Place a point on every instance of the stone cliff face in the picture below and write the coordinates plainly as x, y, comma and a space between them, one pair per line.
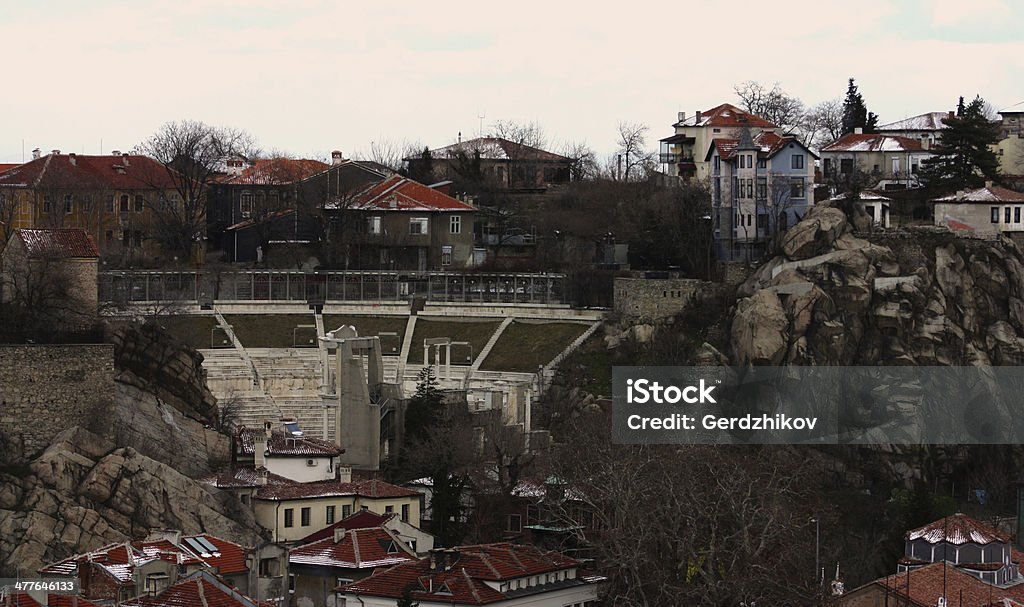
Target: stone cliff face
127, 468
925, 297
84, 492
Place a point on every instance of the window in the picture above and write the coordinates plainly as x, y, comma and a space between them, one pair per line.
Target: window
341, 581
140, 202
405, 512
291, 583
1006, 214
418, 225
110, 203
796, 188
124, 203
797, 161
1016, 214
750, 188
109, 236
995, 214
289, 517
743, 161
244, 498
373, 225
895, 166
268, 567
126, 238
762, 188
762, 222
245, 206
87, 203
304, 517
346, 511
846, 166
446, 255
762, 163
68, 204
330, 515
137, 235
455, 224
47, 203
515, 523
717, 163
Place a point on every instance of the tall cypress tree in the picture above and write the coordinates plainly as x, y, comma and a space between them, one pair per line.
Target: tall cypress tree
963, 158
855, 112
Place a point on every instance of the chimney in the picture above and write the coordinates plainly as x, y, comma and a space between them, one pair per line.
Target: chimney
337, 157
951, 115
73, 159
858, 130
682, 116
697, 116
115, 153
264, 476
988, 185
259, 448
345, 474
339, 534
55, 152
36, 153
124, 159
926, 143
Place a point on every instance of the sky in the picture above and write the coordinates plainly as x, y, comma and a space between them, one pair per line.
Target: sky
307, 76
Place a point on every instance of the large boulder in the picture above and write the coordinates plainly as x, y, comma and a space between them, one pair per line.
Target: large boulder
815, 233
760, 330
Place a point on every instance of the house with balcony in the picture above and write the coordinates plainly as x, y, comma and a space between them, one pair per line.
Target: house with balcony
685, 154
759, 187
890, 162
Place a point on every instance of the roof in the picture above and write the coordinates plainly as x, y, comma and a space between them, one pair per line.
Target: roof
261, 219
727, 115
20, 599
285, 445
1016, 108
462, 579
357, 520
366, 548
228, 557
8, 166
923, 587
397, 193
932, 121
865, 196
200, 588
495, 148
767, 144
74, 171
277, 171
275, 490
957, 529
62, 243
983, 195
873, 142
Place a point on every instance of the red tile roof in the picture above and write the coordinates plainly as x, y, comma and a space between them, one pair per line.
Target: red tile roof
357, 520
727, 115
73, 171
986, 194
200, 589
366, 548
923, 587
957, 529
278, 171
462, 579
8, 166
62, 243
52, 600
275, 490
397, 193
495, 148
229, 558
873, 142
725, 147
281, 444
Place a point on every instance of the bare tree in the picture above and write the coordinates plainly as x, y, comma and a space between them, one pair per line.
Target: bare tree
584, 162
635, 160
774, 104
190, 153
823, 124
391, 154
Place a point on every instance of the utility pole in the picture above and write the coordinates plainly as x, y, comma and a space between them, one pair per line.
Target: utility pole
817, 548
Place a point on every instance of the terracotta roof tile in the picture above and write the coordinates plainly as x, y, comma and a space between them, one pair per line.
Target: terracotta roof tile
282, 444
727, 115
73, 171
986, 194
53, 600
923, 587
290, 490
398, 193
357, 520
200, 589
366, 548
957, 529
278, 171
873, 142
495, 148
62, 243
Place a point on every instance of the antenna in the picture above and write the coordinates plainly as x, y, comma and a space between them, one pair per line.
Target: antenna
481, 116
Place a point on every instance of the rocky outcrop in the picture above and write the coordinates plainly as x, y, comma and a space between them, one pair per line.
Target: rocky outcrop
83, 492
921, 297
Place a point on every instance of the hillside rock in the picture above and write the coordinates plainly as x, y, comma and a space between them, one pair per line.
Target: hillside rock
922, 297
82, 492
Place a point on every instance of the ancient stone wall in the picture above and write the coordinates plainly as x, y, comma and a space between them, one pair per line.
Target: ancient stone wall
651, 299
45, 389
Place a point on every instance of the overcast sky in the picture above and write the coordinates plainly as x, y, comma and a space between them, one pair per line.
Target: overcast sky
309, 76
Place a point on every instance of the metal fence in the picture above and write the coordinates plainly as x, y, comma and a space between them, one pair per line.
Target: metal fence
317, 287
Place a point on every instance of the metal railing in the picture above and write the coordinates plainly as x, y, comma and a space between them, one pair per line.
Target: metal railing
203, 287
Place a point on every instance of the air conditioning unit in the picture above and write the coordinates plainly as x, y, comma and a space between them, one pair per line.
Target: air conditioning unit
310, 462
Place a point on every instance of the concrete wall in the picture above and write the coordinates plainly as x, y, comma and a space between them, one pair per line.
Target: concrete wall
270, 514
978, 215
655, 299
297, 468
45, 389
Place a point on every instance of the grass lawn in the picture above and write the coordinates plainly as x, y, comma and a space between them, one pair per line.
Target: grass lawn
195, 330
273, 330
525, 346
373, 325
475, 332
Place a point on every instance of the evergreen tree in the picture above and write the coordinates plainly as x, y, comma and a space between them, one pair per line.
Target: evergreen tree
422, 169
963, 156
425, 406
855, 112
